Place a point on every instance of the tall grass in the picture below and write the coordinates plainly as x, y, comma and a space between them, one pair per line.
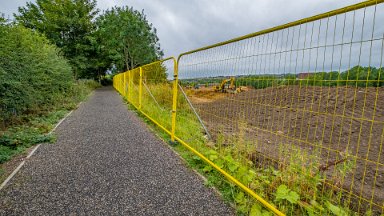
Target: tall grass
294, 184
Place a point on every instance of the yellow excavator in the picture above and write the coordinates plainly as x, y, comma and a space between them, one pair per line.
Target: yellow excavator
231, 88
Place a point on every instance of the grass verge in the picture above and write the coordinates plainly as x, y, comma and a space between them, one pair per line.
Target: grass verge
15, 141
295, 185
213, 178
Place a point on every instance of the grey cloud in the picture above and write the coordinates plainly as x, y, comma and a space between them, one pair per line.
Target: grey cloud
186, 25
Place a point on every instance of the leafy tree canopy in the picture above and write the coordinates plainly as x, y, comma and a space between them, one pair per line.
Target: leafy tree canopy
128, 39
120, 37
67, 23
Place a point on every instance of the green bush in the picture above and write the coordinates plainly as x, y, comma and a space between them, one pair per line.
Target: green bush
33, 75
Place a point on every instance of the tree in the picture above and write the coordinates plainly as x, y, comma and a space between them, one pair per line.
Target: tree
68, 24
128, 40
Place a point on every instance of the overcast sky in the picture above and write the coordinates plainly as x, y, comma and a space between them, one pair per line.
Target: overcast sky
186, 25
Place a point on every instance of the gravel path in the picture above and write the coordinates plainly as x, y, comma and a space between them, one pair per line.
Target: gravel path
106, 162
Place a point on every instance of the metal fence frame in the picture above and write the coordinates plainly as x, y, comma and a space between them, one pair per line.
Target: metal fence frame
120, 84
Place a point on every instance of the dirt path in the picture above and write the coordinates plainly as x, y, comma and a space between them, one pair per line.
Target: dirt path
106, 162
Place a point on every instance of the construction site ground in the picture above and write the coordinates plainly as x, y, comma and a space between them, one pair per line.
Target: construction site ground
337, 121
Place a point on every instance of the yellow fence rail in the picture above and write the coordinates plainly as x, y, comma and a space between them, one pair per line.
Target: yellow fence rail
293, 115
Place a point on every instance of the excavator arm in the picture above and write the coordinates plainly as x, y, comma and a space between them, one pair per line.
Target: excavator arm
222, 84
221, 87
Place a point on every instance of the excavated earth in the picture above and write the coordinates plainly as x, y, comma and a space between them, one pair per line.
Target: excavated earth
339, 122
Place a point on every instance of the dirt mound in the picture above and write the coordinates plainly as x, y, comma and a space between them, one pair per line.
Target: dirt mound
204, 95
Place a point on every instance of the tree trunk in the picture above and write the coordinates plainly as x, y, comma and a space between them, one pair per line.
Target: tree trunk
126, 58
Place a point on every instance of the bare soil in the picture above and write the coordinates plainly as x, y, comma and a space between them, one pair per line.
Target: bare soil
337, 121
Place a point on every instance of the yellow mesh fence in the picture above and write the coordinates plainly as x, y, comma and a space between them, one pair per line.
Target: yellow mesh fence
149, 89
294, 114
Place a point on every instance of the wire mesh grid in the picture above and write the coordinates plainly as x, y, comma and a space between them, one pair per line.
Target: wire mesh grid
303, 106
149, 88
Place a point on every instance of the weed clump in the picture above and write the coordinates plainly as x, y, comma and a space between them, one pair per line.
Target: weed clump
296, 182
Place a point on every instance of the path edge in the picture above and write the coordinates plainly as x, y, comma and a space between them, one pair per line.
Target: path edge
5, 182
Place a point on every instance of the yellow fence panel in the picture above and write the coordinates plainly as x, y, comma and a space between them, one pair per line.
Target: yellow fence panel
150, 89
300, 105
293, 115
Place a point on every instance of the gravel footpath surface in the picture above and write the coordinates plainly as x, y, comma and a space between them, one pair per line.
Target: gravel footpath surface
107, 162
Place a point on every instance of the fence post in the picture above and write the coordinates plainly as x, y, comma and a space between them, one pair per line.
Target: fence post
174, 104
121, 84
140, 87
124, 85
129, 83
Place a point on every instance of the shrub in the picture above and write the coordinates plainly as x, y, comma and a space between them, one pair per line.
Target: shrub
33, 75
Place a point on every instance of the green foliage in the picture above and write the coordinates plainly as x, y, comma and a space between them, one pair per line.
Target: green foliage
284, 193
120, 37
69, 25
336, 210
356, 76
295, 186
27, 136
33, 76
257, 210
154, 73
35, 128
36, 87
6, 153
16, 139
128, 40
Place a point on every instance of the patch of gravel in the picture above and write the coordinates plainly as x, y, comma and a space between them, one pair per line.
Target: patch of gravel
107, 162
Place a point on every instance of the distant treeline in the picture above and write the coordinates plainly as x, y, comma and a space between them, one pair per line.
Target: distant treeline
356, 76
